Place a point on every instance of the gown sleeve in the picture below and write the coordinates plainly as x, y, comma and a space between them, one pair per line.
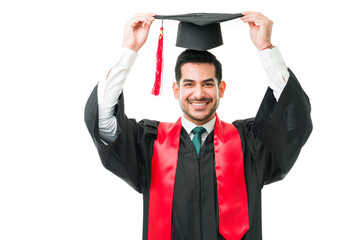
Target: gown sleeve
129, 156
274, 138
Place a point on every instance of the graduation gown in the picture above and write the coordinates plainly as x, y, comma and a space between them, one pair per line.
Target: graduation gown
271, 143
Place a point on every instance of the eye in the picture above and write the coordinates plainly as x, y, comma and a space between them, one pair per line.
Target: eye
208, 84
188, 84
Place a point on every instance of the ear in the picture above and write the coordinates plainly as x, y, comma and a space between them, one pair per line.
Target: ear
222, 87
176, 90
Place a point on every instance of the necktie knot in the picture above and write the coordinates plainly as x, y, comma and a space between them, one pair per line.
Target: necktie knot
197, 131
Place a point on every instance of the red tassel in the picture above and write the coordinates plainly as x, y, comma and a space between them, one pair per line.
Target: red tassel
159, 65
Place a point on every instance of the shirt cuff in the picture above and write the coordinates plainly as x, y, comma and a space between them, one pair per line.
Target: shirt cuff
128, 58
276, 70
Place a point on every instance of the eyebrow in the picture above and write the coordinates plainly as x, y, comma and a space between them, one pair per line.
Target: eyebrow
203, 81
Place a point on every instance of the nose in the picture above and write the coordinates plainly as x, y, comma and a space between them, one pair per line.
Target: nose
198, 92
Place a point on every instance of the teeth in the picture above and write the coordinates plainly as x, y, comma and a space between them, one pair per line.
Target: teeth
199, 104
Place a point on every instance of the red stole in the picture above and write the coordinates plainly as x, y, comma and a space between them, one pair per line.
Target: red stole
231, 187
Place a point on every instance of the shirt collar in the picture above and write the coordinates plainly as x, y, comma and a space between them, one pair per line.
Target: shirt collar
189, 126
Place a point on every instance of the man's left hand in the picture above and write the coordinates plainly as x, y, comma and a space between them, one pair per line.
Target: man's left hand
260, 28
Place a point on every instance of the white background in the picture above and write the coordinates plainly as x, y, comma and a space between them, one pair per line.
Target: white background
52, 54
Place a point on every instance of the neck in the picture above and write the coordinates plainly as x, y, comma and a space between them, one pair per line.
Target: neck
189, 126
199, 122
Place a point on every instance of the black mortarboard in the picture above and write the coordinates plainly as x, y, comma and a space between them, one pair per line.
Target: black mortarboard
200, 31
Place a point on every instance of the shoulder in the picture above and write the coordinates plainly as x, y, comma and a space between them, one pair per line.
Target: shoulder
147, 128
244, 126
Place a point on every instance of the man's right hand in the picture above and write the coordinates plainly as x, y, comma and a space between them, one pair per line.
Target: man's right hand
137, 30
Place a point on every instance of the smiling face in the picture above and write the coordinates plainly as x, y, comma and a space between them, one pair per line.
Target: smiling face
198, 92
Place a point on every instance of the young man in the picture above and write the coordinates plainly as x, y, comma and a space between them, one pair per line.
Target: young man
201, 178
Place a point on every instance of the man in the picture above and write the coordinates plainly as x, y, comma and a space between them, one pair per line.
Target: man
201, 178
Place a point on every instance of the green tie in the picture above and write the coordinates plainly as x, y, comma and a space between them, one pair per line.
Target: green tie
197, 138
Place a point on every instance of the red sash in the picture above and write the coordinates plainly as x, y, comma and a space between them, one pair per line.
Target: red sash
231, 187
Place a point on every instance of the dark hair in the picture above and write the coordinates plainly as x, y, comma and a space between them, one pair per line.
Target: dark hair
193, 56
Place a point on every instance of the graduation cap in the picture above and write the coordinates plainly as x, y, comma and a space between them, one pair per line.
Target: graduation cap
200, 31
197, 31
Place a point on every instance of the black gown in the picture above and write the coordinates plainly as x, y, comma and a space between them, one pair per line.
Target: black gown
271, 143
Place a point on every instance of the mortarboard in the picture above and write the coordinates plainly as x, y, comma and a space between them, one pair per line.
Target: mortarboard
200, 31
197, 31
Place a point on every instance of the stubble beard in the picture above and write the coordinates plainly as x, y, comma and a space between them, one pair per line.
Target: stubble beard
212, 111
207, 116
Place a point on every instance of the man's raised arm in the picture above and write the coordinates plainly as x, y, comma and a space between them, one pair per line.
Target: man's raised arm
273, 63
109, 89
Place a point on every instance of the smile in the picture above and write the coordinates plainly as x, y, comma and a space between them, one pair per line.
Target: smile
199, 104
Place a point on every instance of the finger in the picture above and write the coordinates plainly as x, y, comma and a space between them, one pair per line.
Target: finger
251, 24
147, 25
140, 18
254, 16
145, 15
151, 14
151, 19
249, 13
263, 21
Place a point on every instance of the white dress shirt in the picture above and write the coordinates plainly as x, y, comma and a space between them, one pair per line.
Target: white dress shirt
109, 90
189, 126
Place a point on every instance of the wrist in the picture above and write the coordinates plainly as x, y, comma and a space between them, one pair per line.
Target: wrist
131, 47
267, 46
